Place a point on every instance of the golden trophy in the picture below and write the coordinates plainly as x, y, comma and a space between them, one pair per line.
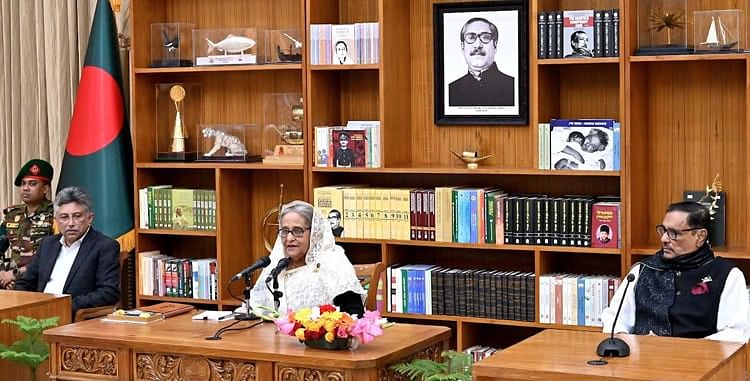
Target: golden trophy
179, 134
173, 143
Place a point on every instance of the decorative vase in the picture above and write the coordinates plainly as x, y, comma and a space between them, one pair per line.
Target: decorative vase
338, 343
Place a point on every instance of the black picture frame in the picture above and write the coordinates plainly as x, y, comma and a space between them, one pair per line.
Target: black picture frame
459, 99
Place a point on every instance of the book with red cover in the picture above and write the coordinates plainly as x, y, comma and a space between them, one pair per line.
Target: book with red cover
605, 224
168, 309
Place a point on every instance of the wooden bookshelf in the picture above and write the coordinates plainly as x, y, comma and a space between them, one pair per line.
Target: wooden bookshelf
230, 94
683, 117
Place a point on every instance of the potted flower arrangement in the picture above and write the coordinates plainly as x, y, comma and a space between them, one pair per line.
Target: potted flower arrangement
328, 328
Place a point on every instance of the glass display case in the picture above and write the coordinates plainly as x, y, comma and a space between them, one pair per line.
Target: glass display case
171, 44
283, 45
662, 27
283, 140
228, 142
234, 46
718, 31
179, 108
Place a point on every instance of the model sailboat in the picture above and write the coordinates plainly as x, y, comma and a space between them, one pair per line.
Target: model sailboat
719, 37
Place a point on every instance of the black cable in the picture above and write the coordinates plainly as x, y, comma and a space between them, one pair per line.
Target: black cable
217, 335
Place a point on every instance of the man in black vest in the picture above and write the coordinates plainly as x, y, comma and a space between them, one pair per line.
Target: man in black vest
683, 290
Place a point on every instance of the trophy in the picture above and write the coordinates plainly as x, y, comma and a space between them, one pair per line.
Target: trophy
179, 135
228, 142
662, 27
236, 46
177, 108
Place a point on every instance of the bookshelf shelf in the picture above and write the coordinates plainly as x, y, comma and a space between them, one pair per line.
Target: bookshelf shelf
189, 233
178, 300
213, 69
206, 165
344, 67
691, 57
512, 323
462, 171
578, 61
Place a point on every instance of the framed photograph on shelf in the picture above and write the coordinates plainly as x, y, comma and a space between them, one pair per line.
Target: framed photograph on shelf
481, 63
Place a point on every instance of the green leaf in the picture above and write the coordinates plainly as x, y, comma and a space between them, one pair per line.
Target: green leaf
31, 350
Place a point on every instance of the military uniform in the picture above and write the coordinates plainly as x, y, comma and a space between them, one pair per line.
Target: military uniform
25, 232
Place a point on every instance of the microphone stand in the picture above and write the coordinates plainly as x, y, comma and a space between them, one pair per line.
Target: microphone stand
247, 315
276, 293
615, 346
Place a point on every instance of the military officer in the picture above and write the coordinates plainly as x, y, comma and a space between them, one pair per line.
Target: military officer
24, 225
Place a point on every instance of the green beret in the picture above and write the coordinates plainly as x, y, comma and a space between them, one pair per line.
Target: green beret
35, 169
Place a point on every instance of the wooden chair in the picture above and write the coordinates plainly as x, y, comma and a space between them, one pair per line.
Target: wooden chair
368, 275
95, 312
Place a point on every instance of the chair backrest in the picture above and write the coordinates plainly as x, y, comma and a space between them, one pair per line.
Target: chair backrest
368, 275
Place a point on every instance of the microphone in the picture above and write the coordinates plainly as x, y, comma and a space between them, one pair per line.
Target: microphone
283, 263
259, 264
615, 346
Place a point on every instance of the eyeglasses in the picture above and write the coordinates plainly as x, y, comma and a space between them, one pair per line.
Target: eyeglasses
296, 231
672, 234
484, 37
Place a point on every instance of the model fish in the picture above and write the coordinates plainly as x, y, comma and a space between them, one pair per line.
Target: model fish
231, 44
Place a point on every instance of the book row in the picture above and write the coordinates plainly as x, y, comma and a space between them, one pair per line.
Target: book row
434, 290
344, 44
163, 275
579, 145
574, 299
355, 145
164, 207
469, 215
578, 33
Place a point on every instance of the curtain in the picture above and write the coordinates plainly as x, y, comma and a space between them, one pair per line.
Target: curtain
42, 47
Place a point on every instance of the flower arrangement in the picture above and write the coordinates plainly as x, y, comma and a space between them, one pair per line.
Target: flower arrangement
328, 323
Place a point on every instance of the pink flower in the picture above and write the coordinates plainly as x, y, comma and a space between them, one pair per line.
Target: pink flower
366, 329
341, 332
287, 324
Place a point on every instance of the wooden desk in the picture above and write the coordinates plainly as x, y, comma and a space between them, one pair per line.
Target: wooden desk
562, 355
176, 348
31, 304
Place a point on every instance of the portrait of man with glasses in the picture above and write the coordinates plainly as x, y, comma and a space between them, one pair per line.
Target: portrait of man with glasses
683, 290
483, 84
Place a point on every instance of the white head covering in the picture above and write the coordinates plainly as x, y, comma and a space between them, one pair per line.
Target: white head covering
327, 272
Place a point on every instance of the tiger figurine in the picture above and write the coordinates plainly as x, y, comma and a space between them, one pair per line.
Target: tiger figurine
233, 145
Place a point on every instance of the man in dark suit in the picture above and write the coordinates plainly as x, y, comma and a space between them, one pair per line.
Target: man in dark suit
80, 261
484, 84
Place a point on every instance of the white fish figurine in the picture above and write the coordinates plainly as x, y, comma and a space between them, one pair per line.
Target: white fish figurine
231, 44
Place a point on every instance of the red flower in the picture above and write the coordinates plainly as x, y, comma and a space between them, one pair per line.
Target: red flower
327, 308
312, 335
700, 288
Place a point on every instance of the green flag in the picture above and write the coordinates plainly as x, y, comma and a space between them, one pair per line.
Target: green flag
98, 155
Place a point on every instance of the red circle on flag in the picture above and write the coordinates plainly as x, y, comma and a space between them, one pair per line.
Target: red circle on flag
98, 114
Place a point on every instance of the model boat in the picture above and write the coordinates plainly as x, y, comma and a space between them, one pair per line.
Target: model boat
719, 37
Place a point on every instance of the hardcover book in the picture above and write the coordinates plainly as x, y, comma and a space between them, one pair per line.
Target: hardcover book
343, 45
168, 309
605, 225
578, 33
349, 148
582, 144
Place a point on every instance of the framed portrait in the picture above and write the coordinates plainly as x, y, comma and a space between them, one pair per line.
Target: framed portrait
481, 63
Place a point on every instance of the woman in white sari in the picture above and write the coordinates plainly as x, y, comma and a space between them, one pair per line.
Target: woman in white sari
318, 273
